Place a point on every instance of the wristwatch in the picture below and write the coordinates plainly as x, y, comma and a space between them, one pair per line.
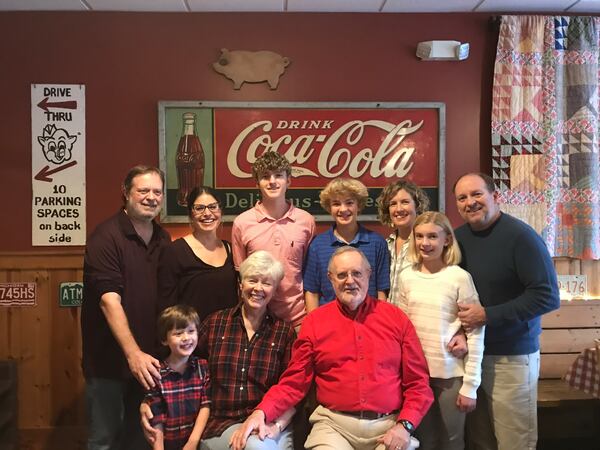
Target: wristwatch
407, 426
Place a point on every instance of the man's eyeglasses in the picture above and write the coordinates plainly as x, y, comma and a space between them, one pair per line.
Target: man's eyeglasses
213, 207
343, 276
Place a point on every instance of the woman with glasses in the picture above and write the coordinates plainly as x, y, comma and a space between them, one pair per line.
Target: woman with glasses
197, 269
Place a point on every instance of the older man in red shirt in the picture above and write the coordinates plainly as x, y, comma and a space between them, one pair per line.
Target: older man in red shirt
366, 359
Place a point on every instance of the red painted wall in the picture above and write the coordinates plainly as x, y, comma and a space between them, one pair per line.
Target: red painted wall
130, 61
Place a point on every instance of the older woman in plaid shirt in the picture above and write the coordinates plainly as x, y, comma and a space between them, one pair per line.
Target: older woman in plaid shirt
247, 350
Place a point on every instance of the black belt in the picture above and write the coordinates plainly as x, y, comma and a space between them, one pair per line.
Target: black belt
368, 415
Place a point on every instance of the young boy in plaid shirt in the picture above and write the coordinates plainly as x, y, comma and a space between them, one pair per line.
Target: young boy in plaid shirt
179, 401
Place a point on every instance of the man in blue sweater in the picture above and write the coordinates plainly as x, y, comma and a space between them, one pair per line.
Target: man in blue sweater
516, 281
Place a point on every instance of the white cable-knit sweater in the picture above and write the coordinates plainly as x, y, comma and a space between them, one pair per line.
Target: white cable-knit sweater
431, 302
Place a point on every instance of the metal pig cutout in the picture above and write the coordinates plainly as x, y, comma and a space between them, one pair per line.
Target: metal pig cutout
242, 66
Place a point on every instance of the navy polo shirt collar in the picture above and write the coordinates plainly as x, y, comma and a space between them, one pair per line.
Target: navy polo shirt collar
361, 237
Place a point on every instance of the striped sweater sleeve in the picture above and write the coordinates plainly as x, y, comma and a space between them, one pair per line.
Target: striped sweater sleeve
472, 377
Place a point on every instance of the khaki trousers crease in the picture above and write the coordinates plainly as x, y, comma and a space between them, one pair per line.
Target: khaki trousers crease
336, 431
506, 414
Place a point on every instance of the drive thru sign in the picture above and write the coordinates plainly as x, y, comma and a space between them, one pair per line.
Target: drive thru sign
58, 164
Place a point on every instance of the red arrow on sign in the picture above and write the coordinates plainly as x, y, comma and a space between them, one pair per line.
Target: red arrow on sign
45, 104
43, 175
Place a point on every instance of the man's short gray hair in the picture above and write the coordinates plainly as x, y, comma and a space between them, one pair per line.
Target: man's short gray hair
346, 249
262, 263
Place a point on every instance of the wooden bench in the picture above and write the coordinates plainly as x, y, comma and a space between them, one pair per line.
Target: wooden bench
566, 415
567, 418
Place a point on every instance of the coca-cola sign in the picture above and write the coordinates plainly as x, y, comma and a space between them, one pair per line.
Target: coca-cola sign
375, 143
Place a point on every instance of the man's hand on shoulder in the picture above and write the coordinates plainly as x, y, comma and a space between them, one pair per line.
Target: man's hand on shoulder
396, 438
254, 423
471, 316
144, 368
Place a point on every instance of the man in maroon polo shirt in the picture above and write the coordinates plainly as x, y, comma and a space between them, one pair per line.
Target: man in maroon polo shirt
119, 313
366, 359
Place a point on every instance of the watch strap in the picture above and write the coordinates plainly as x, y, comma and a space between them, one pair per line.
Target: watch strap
408, 426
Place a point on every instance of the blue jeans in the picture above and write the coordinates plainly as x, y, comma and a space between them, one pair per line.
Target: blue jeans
283, 442
113, 414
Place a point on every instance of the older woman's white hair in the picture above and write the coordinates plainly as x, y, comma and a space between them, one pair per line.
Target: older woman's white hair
262, 263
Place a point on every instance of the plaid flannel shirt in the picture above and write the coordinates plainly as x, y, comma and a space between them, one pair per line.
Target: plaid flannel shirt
177, 398
241, 370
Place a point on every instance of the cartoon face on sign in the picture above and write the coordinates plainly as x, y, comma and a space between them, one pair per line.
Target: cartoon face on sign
56, 144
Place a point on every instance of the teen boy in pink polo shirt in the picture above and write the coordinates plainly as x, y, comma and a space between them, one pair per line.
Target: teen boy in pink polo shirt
276, 225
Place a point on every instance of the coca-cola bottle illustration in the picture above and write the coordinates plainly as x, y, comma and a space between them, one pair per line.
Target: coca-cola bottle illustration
189, 159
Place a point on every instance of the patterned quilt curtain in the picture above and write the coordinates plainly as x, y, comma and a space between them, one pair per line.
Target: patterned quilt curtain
545, 129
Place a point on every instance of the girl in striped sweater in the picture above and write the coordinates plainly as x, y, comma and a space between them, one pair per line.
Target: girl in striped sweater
430, 291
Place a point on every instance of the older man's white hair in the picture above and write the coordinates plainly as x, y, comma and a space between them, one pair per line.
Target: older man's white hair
346, 249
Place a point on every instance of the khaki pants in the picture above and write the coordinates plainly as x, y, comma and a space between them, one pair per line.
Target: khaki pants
443, 426
335, 431
506, 414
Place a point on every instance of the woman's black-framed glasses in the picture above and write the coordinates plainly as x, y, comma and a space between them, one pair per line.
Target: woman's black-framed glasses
213, 207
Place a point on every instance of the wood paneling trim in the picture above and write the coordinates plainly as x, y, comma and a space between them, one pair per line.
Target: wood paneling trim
41, 260
568, 340
567, 266
575, 314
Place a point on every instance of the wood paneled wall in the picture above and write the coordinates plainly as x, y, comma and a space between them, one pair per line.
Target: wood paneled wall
575, 325
45, 341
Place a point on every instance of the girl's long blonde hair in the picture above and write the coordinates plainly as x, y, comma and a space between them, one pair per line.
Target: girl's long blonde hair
451, 254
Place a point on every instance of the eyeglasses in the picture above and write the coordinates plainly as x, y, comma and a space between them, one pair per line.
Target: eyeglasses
213, 207
343, 276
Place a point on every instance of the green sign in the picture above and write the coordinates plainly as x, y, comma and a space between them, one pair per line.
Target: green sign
70, 294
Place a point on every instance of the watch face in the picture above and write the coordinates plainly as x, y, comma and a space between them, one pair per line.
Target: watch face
407, 425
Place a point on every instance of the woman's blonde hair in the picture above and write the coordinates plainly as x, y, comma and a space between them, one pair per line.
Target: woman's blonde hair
344, 187
451, 254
